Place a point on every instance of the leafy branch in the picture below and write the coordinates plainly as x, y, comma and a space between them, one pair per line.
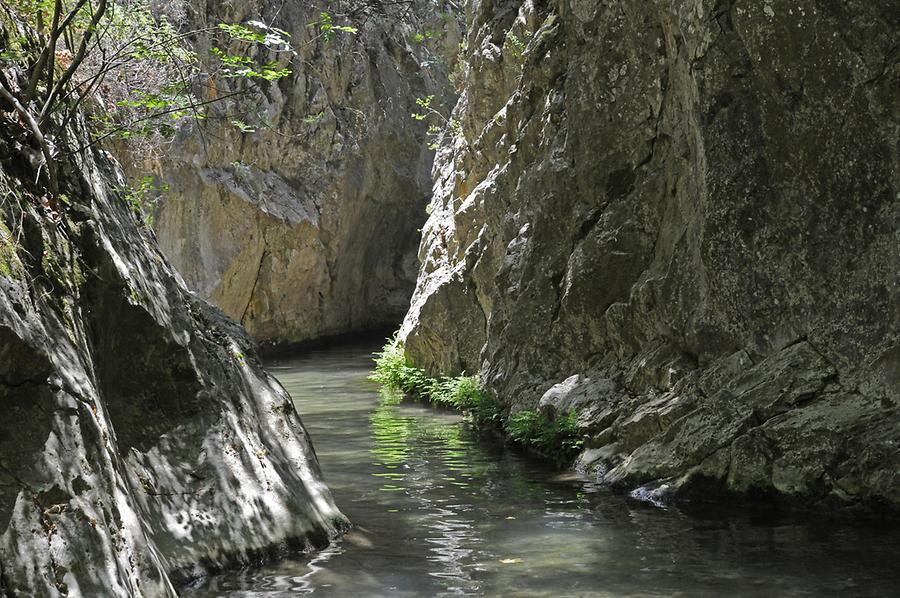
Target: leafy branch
436, 130
135, 67
327, 28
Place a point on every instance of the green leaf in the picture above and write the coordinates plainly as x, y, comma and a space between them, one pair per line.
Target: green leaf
242, 33
327, 28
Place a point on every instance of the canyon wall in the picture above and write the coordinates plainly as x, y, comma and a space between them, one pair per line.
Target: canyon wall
680, 219
142, 443
307, 226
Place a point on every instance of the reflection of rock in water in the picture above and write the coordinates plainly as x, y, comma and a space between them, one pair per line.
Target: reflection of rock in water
424, 457
473, 518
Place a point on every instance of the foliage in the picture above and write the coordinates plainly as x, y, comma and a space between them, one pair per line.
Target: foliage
258, 32
242, 126
312, 119
460, 392
239, 66
137, 81
440, 124
394, 371
425, 105
174, 99
421, 37
458, 72
135, 67
557, 438
514, 46
247, 37
328, 29
142, 198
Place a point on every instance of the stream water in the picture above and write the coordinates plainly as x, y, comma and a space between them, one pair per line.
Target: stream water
440, 511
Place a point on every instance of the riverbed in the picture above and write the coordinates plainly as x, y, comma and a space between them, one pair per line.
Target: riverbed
439, 510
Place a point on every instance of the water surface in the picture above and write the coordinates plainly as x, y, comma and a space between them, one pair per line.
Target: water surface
441, 511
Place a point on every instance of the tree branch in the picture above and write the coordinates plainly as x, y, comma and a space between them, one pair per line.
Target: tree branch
49, 164
76, 62
126, 126
50, 48
45, 53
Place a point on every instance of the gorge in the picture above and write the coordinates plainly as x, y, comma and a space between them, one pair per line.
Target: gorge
668, 228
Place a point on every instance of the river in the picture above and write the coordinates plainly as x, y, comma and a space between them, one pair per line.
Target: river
440, 511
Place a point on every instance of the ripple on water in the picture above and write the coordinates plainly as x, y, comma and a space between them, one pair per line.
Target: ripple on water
439, 512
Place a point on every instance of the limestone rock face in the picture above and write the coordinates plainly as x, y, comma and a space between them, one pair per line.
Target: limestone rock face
680, 219
141, 441
308, 226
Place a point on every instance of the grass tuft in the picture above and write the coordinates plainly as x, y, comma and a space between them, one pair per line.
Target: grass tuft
557, 438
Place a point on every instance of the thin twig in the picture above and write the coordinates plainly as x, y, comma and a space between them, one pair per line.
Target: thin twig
39, 137
76, 62
124, 127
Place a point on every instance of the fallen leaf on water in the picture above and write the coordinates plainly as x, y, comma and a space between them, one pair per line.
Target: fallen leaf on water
510, 561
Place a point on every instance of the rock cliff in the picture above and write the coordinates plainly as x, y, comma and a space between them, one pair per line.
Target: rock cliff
142, 442
681, 220
307, 226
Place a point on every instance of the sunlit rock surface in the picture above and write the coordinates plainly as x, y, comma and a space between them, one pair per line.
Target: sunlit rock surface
308, 226
141, 441
680, 219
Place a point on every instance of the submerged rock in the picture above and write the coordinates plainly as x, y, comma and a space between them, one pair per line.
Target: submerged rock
142, 443
693, 208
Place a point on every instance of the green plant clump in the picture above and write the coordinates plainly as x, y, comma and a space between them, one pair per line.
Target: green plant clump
393, 370
142, 198
556, 438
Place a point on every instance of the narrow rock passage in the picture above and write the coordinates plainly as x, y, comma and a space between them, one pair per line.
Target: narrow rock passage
440, 511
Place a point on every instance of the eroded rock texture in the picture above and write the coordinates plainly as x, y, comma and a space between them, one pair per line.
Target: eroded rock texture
141, 441
308, 226
680, 219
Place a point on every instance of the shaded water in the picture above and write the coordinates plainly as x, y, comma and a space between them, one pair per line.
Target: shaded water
439, 511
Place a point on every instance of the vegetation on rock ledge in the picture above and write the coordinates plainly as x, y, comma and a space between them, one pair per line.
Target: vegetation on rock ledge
554, 437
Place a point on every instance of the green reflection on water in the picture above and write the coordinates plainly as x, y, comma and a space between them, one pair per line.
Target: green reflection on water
401, 439
521, 528
390, 432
